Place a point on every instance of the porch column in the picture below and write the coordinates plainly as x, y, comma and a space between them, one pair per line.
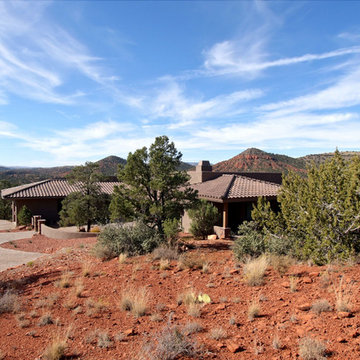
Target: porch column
225, 214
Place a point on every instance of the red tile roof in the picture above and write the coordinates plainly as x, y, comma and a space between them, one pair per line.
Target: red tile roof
49, 189
235, 187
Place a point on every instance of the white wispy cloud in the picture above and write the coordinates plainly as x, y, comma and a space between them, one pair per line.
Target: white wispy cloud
172, 102
38, 57
248, 59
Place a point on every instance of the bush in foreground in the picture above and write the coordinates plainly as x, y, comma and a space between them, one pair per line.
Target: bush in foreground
136, 239
24, 216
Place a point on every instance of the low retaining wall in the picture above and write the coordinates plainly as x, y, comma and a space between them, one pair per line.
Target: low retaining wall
62, 235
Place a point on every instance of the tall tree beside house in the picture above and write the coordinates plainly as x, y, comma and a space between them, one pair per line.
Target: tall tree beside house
24, 216
320, 214
152, 188
88, 205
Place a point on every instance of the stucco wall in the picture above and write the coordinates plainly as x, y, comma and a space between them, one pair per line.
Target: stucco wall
59, 234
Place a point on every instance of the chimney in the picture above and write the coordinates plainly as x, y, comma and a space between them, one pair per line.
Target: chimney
202, 173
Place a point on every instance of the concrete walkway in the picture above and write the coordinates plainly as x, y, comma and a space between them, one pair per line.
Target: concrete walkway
10, 258
6, 225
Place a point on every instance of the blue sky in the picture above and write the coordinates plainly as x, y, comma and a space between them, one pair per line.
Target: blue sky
83, 80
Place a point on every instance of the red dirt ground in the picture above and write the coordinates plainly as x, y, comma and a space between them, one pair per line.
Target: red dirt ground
281, 310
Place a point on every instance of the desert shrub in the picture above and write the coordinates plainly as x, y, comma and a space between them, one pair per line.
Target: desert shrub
170, 344
191, 261
250, 242
203, 218
133, 239
311, 349
192, 327
280, 263
24, 216
320, 306
194, 309
45, 319
254, 270
172, 228
165, 253
218, 333
9, 302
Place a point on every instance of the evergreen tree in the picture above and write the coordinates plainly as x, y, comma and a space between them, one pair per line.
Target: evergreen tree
320, 213
24, 216
203, 218
88, 205
152, 188
5, 205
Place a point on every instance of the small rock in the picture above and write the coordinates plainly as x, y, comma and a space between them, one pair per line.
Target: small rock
307, 280
341, 339
344, 314
220, 345
234, 347
220, 307
212, 237
314, 274
130, 332
304, 307
234, 271
355, 334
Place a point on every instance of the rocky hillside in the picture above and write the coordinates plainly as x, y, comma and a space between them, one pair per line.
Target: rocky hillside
320, 158
255, 160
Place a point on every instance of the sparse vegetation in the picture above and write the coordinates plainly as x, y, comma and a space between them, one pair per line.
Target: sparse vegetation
45, 319
135, 301
191, 261
254, 309
254, 271
218, 333
169, 344
122, 258
311, 349
165, 253
343, 296
9, 302
56, 349
321, 305
192, 327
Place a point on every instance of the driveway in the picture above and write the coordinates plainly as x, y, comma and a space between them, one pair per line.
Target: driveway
10, 258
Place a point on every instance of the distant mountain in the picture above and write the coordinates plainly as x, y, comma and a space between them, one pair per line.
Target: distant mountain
255, 160
108, 167
185, 166
320, 158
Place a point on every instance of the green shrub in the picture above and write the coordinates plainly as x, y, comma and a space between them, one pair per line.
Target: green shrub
203, 218
171, 230
24, 216
250, 242
135, 239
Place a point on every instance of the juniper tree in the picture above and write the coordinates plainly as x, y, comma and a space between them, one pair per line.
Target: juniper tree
152, 188
319, 213
88, 204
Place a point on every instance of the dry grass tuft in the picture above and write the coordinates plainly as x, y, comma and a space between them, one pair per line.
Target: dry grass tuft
311, 349
87, 268
194, 309
281, 263
79, 288
192, 327
186, 298
293, 283
156, 317
276, 343
320, 306
45, 319
254, 271
95, 307
56, 350
170, 344
343, 296
218, 333
254, 309
205, 268
135, 301
191, 261
165, 253
9, 302
22, 321
122, 258
164, 264
65, 280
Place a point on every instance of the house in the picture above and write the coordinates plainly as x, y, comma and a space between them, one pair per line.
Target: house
234, 194
44, 197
